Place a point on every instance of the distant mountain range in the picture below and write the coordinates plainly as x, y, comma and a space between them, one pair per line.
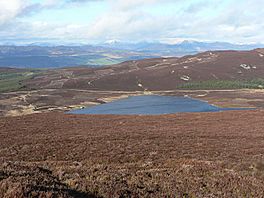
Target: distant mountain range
183, 48
47, 55
32, 56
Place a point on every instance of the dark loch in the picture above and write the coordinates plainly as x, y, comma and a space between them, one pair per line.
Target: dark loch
151, 105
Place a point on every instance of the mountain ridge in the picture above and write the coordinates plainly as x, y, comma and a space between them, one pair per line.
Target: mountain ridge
48, 56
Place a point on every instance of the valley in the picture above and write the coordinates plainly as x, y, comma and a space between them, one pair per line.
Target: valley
223, 78
46, 152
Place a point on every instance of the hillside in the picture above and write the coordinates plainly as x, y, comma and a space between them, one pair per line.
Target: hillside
183, 155
231, 67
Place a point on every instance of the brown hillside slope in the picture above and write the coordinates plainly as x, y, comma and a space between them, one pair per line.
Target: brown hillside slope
182, 155
158, 74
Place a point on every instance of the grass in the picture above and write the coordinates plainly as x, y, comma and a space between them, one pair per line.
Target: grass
224, 84
13, 81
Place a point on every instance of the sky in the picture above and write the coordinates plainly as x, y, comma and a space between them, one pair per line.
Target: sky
97, 21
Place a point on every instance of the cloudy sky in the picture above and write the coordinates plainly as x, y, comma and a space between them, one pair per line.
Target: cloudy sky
94, 21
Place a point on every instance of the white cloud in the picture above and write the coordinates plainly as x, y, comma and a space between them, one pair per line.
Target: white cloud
237, 21
125, 20
9, 9
131, 4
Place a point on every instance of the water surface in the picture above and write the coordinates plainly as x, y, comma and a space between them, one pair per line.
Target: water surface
151, 105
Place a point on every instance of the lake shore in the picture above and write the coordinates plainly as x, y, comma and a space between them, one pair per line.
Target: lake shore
62, 100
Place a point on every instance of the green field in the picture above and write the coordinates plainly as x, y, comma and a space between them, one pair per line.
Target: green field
13, 81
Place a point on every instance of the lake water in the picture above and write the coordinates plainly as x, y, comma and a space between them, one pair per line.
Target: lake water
151, 105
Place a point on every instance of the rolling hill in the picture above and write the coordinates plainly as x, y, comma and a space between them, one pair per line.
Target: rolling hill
212, 69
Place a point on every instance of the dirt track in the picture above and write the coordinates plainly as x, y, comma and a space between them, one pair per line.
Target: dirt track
191, 155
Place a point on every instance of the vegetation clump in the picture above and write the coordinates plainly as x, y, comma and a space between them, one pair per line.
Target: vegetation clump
224, 84
13, 81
